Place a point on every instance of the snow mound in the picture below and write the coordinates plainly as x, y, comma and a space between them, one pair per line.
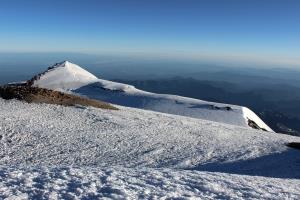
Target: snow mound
64, 75
71, 78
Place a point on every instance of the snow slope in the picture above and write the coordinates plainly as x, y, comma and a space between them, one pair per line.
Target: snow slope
64, 75
72, 78
48, 134
59, 152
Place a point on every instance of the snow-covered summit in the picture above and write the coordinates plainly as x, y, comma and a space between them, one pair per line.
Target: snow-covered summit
70, 77
64, 75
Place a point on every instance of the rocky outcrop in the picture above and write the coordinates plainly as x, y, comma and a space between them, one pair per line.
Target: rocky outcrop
30, 94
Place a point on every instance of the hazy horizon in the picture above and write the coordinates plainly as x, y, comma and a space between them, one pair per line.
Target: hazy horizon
241, 33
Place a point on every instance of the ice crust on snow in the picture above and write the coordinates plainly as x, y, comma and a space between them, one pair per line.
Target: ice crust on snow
72, 78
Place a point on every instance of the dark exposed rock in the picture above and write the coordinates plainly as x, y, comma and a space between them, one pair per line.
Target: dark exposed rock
24, 92
252, 124
295, 145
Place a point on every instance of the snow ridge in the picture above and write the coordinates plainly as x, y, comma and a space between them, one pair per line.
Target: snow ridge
70, 77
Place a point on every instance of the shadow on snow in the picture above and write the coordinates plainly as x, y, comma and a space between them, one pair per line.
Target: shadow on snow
278, 165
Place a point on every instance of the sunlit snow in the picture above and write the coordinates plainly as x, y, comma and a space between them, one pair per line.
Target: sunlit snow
70, 77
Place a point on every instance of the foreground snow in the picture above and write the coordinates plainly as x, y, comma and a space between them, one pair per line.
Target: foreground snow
50, 134
125, 183
64, 152
67, 76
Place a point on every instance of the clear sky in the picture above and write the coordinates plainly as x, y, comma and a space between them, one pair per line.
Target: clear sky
244, 30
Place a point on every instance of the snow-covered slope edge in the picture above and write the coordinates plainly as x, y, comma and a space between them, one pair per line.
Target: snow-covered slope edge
72, 78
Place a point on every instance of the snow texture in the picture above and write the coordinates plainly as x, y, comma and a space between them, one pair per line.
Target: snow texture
48, 134
125, 183
90, 153
72, 78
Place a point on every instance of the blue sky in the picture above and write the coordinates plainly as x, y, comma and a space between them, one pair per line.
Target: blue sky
241, 30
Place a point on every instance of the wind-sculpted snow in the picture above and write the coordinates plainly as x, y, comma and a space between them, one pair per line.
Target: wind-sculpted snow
72, 78
125, 183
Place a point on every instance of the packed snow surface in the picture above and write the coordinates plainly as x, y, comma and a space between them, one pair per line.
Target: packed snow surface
80, 152
72, 78
127, 183
48, 134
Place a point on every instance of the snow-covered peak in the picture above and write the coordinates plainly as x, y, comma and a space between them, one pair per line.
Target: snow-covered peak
64, 75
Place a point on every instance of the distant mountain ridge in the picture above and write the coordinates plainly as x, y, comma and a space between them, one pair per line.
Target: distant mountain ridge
69, 77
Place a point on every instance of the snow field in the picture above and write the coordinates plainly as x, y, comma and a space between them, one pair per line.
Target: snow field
34, 134
126, 183
56, 152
